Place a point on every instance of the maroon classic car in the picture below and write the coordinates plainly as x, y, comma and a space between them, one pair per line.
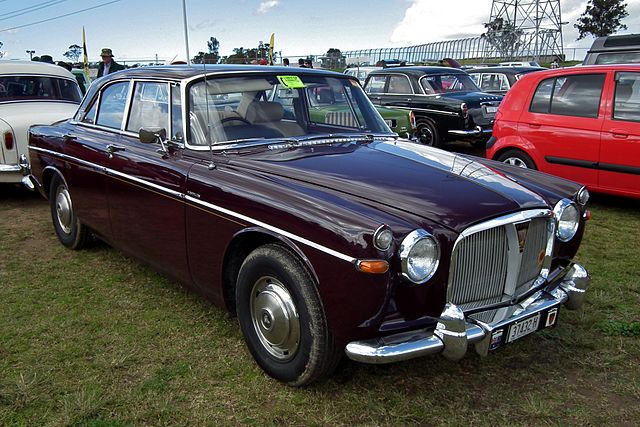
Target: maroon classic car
320, 229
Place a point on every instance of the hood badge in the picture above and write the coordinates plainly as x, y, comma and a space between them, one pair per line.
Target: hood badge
522, 229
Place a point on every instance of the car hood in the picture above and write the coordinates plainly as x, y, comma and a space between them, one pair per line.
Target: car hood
443, 187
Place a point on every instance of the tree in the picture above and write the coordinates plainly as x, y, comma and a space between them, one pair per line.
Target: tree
1, 52
73, 53
602, 18
503, 36
334, 59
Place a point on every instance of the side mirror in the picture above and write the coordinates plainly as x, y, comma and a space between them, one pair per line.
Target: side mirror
151, 135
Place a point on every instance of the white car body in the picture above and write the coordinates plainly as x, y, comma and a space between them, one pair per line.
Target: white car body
21, 107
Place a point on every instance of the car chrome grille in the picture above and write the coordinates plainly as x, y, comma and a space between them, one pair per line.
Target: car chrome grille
499, 260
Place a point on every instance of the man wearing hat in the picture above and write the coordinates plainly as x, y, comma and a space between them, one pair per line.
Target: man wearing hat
108, 65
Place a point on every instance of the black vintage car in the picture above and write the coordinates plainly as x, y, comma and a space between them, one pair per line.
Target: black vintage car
498, 80
446, 102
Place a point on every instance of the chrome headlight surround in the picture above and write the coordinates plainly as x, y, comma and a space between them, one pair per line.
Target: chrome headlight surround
567, 218
583, 196
419, 256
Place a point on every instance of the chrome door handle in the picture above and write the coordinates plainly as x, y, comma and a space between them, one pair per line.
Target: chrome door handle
69, 138
112, 148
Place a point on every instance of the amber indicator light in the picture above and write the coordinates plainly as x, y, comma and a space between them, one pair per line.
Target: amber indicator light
373, 266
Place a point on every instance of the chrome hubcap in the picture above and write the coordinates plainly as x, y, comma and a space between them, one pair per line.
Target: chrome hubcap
64, 211
515, 161
275, 318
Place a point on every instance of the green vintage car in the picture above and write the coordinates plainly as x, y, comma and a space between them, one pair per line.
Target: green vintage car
329, 107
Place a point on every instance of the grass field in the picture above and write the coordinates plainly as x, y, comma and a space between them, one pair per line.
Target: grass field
94, 338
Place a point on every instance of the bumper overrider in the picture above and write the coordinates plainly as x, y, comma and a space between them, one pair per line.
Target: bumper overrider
455, 331
475, 132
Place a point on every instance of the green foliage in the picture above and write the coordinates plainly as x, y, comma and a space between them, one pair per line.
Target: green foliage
96, 338
503, 36
73, 53
602, 18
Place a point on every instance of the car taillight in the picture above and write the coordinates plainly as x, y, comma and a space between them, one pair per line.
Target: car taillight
465, 110
412, 120
8, 140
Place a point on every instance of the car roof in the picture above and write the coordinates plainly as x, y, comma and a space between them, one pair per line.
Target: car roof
419, 71
583, 69
33, 67
182, 72
506, 70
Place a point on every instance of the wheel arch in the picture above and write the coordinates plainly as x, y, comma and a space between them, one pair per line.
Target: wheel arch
241, 245
48, 175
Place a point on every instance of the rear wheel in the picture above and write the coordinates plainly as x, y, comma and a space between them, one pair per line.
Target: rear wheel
282, 319
517, 158
68, 228
427, 133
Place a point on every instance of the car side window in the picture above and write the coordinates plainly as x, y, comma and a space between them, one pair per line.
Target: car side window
399, 85
375, 84
626, 100
177, 132
150, 106
576, 95
494, 81
112, 104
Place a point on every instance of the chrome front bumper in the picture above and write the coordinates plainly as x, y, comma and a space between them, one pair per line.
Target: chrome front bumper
477, 131
455, 332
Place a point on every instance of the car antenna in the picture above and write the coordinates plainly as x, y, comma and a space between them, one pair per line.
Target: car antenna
211, 165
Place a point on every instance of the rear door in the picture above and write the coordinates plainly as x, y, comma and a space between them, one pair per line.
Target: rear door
563, 122
620, 151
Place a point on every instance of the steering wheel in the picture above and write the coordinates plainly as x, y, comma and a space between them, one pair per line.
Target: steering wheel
240, 119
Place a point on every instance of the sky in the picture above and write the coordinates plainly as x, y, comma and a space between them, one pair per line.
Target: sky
138, 30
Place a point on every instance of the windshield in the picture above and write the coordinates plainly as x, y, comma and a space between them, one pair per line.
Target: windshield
228, 109
29, 88
448, 83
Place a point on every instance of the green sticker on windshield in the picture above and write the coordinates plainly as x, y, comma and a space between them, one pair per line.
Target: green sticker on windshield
291, 82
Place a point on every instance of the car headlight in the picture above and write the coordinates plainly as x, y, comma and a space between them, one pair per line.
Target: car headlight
583, 196
382, 238
567, 218
419, 256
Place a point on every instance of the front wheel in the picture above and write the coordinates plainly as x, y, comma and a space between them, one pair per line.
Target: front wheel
517, 158
281, 317
68, 228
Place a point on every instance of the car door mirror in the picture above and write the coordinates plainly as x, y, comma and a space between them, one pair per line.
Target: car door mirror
151, 135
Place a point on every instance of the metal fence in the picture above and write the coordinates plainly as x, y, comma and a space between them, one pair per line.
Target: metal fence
474, 48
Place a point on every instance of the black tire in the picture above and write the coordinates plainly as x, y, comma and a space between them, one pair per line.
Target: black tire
427, 133
68, 228
517, 158
282, 319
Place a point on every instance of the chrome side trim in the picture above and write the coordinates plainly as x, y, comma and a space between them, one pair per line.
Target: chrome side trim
426, 110
478, 131
196, 201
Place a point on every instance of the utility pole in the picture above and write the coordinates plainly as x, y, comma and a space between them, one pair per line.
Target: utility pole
31, 52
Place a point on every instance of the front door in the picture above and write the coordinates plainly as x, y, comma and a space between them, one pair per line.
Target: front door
619, 170
147, 184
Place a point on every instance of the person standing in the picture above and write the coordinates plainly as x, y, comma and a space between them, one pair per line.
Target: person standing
108, 65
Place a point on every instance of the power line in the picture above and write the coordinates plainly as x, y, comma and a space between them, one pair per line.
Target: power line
29, 9
59, 16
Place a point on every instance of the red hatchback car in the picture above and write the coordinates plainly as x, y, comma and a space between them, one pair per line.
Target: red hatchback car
579, 123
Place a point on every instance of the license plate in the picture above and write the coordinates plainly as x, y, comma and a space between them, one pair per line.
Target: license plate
523, 328
491, 110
